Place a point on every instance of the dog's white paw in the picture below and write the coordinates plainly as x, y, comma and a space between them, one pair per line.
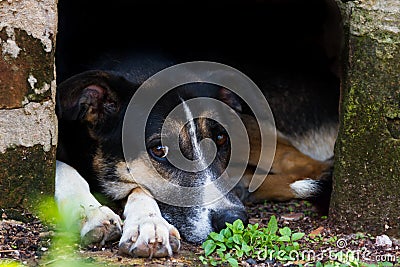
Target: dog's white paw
99, 225
151, 236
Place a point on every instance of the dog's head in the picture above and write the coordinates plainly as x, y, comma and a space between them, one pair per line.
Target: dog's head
98, 101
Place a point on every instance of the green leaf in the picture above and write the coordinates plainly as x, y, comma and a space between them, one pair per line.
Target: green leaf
209, 247
203, 260
252, 227
272, 225
297, 236
289, 248
238, 226
229, 242
233, 262
222, 247
284, 238
222, 232
285, 231
207, 242
237, 238
319, 264
239, 253
220, 253
214, 262
217, 237
227, 233
246, 248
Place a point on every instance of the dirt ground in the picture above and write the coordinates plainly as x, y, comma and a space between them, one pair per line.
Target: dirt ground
29, 242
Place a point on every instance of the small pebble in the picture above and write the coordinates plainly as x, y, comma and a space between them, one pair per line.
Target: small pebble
383, 241
270, 261
292, 216
251, 261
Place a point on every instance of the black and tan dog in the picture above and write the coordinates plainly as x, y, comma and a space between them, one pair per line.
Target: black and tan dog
91, 108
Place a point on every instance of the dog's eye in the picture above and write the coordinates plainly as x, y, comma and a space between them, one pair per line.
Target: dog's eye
159, 151
221, 139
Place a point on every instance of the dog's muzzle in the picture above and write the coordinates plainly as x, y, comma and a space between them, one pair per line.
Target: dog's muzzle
220, 218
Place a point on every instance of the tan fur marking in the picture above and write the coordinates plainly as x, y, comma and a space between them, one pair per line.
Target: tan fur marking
98, 162
289, 165
290, 161
203, 127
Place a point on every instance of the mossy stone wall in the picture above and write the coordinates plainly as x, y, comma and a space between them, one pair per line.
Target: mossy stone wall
28, 125
366, 193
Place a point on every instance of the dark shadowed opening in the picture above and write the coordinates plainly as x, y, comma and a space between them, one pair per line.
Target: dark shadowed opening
274, 34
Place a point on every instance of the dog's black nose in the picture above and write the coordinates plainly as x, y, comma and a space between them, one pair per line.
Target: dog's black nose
219, 218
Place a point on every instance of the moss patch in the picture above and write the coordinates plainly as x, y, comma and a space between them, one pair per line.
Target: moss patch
27, 177
14, 72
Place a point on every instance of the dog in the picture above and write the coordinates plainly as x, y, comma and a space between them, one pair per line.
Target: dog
91, 107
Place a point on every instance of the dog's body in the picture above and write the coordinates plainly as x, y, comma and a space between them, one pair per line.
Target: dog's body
91, 108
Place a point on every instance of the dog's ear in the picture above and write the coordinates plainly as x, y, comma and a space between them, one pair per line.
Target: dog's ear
231, 99
90, 97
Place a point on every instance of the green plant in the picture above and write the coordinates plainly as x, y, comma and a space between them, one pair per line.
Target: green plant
65, 241
237, 242
353, 264
9, 263
380, 264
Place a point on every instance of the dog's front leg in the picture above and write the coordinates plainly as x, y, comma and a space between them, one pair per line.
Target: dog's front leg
97, 224
146, 233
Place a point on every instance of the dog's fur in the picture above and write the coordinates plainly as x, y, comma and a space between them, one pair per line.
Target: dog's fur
91, 107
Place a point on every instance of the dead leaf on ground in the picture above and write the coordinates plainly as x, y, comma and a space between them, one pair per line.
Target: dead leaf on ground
316, 232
